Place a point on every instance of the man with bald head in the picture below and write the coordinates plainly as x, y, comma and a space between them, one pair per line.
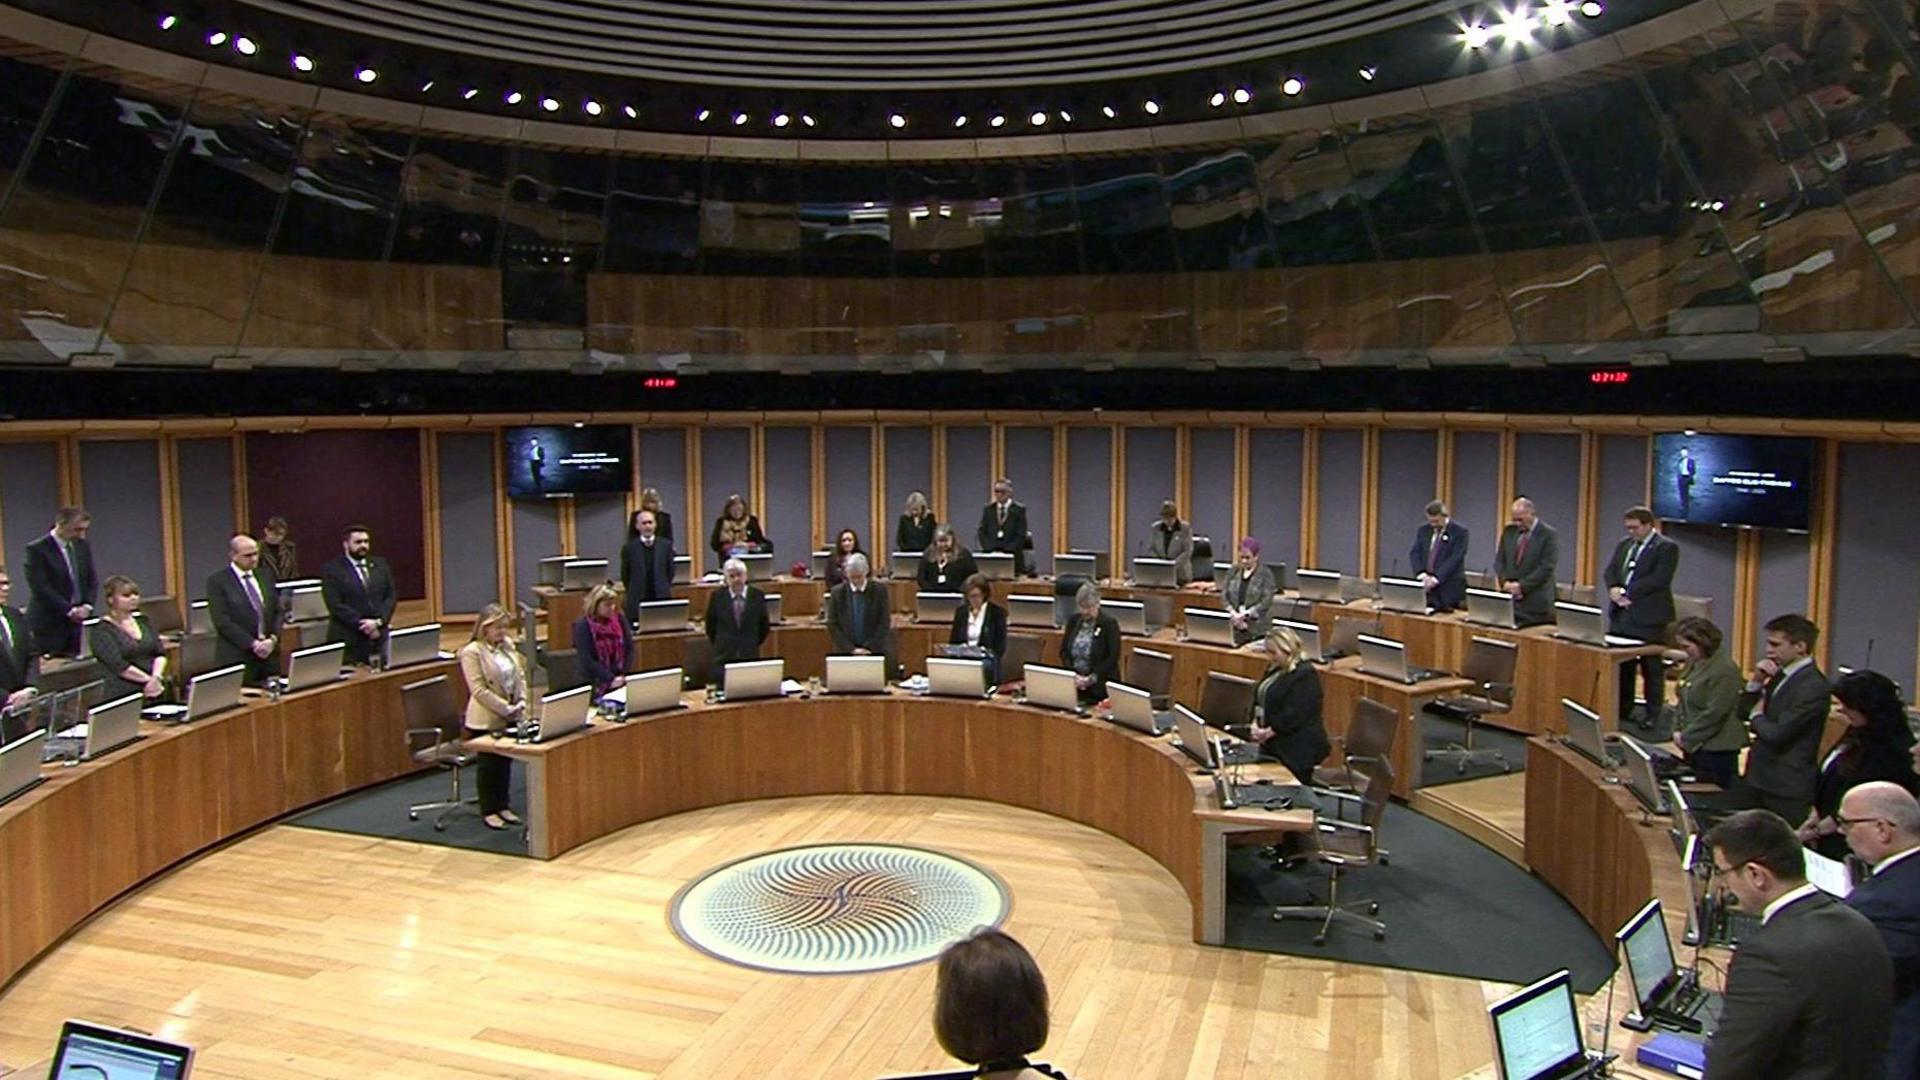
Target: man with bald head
1525, 562
1881, 822
245, 609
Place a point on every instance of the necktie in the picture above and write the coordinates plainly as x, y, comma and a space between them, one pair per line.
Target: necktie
73, 577
253, 598
1433, 551
360, 568
1766, 691
1003, 513
6, 633
1520, 553
859, 595
739, 609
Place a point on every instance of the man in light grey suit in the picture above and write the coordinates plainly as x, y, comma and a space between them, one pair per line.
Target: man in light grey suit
1525, 562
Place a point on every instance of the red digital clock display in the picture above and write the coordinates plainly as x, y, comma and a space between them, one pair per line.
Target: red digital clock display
660, 382
1609, 378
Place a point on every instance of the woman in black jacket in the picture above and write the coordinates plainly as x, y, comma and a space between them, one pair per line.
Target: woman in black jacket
914, 530
1090, 645
1875, 746
981, 622
1286, 708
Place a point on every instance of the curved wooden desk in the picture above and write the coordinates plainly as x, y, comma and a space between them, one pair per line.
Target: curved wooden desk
94, 831
1138, 789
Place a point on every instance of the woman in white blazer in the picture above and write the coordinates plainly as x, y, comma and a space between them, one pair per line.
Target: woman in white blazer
497, 699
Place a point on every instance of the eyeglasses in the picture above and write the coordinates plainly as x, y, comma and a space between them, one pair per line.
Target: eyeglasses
1845, 823
1723, 871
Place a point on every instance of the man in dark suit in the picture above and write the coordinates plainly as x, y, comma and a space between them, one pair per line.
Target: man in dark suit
1529, 554
1810, 995
358, 589
646, 565
1439, 554
858, 618
1684, 471
1639, 580
18, 666
1003, 526
61, 583
736, 618
1881, 822
245, 610
1786, 705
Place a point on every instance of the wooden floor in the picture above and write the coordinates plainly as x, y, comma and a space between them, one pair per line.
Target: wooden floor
298, 953
1491, 810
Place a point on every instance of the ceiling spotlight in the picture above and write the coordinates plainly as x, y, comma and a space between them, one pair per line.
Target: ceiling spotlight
1517, 25
1038, 118
1151, 106
302, 62
960, 121
897, 120
469, 93
702, 115
807, 119
515, 97
592, 107
1367, 73
781, 120
217, 38
1107, 111
549, 104
426, 87
168, 22
1066, 117
1292, 85
1242, 95
366, 74
632, 113
1557, 13
997, 121
1592, 9
1218, 99
1475, 36
740, 118
245, 46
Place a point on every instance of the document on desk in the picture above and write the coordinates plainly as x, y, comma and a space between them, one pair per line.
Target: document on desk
1828, 875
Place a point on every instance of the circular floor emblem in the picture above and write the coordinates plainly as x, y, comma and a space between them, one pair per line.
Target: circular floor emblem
834, 908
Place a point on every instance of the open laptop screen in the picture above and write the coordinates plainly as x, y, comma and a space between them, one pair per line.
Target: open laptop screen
1643, 941
88, 1050
1536, 1031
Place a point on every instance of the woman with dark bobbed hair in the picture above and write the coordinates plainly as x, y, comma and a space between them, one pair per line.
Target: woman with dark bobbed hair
990, 1006
1875, 746
1707, 725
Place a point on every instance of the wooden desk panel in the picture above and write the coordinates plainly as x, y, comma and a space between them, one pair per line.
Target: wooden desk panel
94, 831
800, 598
1596, 846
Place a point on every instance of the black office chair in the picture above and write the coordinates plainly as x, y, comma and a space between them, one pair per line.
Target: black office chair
1022, 649
696, 661
1203, 558
563, 670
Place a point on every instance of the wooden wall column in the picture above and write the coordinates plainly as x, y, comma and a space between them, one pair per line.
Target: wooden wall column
1310, 497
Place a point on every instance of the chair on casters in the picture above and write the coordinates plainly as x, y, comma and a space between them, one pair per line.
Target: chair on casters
1371, 732
1489, 664
696, 661
563, 670
1153, 672
1022, 649
433, 710
1338, 844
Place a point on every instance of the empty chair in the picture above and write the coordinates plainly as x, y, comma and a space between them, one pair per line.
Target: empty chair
162, 614
196, 655
435, 715
1692, 606
1480, 579
1203, 558
1490, 665
1576, 594
1022, 649
696, 660
1153, 672
1346, 634
1337, 844
563, 670
1370, 735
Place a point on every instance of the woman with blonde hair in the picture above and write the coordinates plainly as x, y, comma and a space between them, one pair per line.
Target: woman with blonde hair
132, 658
497, 687
1286, 708
602, 640
914, 530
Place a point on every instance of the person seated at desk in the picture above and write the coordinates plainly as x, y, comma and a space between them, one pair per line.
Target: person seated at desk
131, 656
1248, 594
1090, 645
1882, 826
845, 545
1286, 718
1003, 526
662, 521
946, 567
914, 530
990, 1006
859, 616
646, 564
1706, 720
60, 583
603, 640
497, 699
982, 623
737, 532
1525, 562
1170, 538
1874, 747
244, 607
736, 621
277, 551
19, 665
357, 586
1440, 551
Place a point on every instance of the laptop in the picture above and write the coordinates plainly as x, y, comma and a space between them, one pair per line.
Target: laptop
1075, 564
86, 639
1588, 625
1133, 708
1154, 573
1684, 826
759, 567
112, 726
1641, 780
1355, 587
1220, 572
1583, 734
1536, 1033
90, 1050
563, 713
817, 564
215, 691
1130, 614
773, 597
1662, 993
1386, 658
1209, 626
1052, 688
1309, 635
663, 616
903, 565
949, 676
199, 618
552, 570
937, 607
856, 675
750, 679
650, 691
1191, 735
683, 570
1026, 609
1490, 607
1320, 586
412, 645
582, 573
303, 602
1404, 594
316, 666
20, 765
994, 565
1226, 699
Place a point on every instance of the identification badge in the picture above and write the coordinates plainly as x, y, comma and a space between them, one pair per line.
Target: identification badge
1001, 535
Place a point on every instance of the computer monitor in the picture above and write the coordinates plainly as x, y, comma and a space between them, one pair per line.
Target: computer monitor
1152, 573
112, 726
662, 616
1684, 827
936, 607
759, 567
1355, 587
773, 599
817, 564
683, 569
1642, 782
563, 713
1195, 740
1403, 594
215, 691
411, 645
1583, 732
20, 764
525, 641
1643, 941
749, 679
903, 565
1309, 635
1131, 615
552, 570
1383, 658
1132, 708
1209, 626
652, 691
954, 676
302, 600
579, 574
89, 1051
316, 666
1588, 625
1052, 688
1077, 564
1490, 607
1226, 699
1026, 609
856, 674
1536, 1031
199, 618
994, 565
1322, 586
86, 638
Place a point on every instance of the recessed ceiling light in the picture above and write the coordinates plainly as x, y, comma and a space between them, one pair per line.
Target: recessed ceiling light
998, 120
244, 46
1517, 25
1293, 85
426, 87
1151, 106
1218, 99
217, 38
1592, 9
1066, 117
366, 74
469, 93
632, 113
1475, 36
781, 120
168, 22
807, 119
1038, 118
702, 115
592, 107
740, 118
1107, 111
1368, 73
550, 104
960, 121
897, 120
515, 97
1242, 95
1557, 13
301, 62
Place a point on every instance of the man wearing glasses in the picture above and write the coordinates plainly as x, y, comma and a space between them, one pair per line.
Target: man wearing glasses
1881, 822
1810, 995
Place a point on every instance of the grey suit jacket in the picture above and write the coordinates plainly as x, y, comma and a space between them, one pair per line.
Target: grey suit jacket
1891, 902
1785, 759
1534, 605
1809, 997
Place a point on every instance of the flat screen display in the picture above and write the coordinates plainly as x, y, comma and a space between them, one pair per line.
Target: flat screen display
548, 462
1752, 480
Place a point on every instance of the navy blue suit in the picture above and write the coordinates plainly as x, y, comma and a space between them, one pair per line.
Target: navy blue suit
1891, 902
1449, 566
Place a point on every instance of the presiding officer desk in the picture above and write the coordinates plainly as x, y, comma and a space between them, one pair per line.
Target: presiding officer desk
93, 831
1141, 790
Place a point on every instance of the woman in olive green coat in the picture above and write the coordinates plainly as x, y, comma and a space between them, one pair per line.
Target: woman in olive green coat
1707, 724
